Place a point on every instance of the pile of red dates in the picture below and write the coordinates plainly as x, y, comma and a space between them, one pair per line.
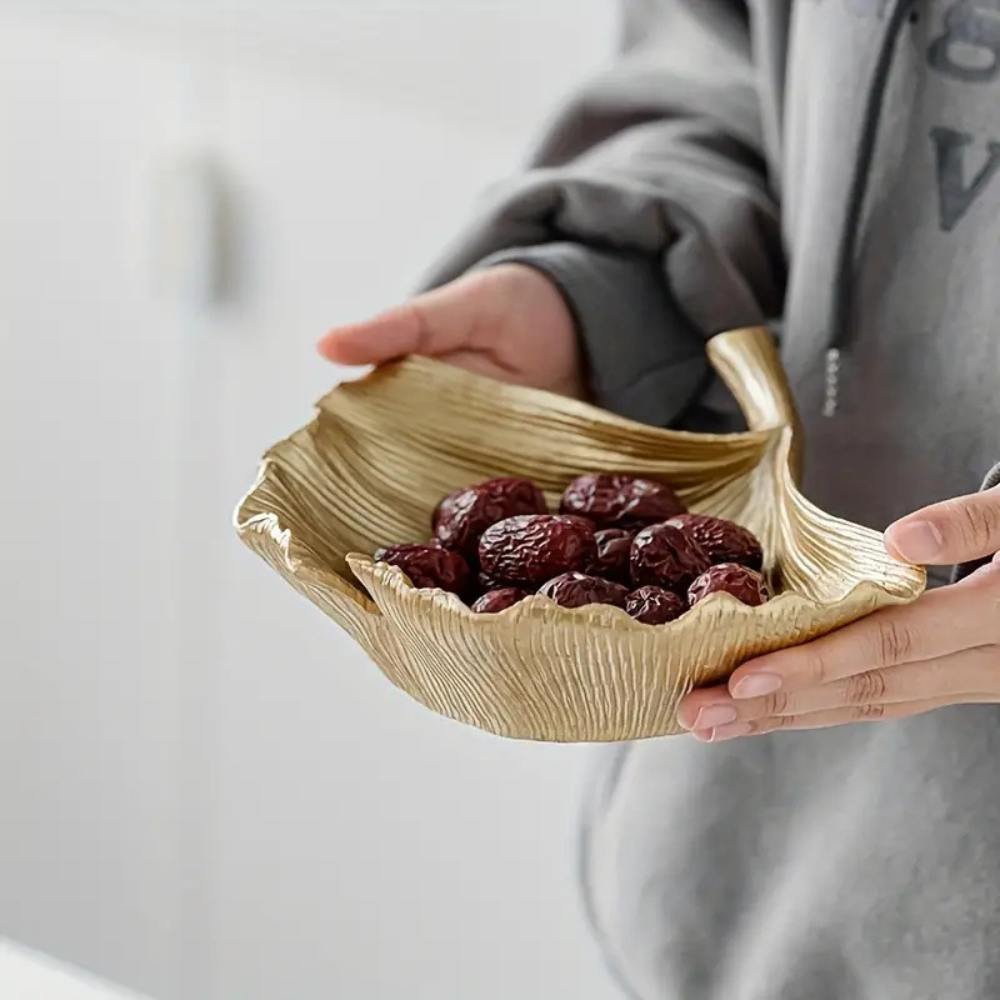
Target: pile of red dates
616, 540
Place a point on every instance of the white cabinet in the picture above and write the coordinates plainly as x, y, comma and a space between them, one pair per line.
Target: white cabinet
207, 792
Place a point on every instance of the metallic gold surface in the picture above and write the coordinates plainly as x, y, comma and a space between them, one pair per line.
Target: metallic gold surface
382, 451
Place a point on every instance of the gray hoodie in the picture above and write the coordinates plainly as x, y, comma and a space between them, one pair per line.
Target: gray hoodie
831, 167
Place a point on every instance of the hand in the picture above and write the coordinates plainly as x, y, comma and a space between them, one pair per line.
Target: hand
943, 649
508, 322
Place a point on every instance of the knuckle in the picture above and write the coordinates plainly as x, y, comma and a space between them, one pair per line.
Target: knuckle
775, 704
863, 691
418, 316
978, 523
867, 713
815, 668
893, 643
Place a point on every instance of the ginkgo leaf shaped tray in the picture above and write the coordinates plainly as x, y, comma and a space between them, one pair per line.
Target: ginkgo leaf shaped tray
383, 450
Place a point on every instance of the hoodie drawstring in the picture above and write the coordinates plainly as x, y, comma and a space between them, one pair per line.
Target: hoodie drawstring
843, 296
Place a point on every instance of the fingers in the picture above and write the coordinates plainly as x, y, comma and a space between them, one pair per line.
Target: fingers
941, 622
954, 531
865, 695
436, 323
834, 717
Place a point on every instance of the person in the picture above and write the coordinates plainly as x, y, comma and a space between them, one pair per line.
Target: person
830, 167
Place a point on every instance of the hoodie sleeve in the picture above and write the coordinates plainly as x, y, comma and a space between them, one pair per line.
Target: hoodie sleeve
648, 205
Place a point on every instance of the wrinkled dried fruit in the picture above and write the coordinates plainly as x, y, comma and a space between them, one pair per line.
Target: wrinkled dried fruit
461, 517
486, 583
575, 590
613, 501
654, 605
745, 584
533, 548
723, 541
584, 522
499, 600
614, 547
666, 556
428, 566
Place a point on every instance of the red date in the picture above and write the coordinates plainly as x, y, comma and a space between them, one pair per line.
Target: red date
723, 541
499, 600
614, 547
461, 517
576, 590
530, 549
428, 566
494, 543
487, 583
745, 584
654, 605
667, 557
615, 501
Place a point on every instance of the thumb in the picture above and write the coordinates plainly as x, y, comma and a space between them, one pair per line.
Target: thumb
954, 531
432, 324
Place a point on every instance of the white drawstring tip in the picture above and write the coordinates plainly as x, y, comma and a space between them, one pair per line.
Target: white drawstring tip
832, 383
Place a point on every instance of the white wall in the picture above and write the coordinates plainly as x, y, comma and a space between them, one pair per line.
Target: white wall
89, 712
207, 791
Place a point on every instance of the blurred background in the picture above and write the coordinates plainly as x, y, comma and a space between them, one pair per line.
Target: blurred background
206, 792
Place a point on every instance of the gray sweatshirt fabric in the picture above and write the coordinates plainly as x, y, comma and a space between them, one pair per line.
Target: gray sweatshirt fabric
833, 167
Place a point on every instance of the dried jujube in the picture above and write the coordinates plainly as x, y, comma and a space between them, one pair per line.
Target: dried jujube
499, 600
745, 584
494, 543
530, 549
460, 519
723, 541
616, 501
614, 548
655, 605
576, 590
428, 566
666, 556
484, 583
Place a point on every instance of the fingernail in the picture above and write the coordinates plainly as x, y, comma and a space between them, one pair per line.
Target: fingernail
917, 541
715, 715
756, 686
723, 733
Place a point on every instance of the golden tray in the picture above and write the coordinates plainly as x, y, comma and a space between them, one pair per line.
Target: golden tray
383, 450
